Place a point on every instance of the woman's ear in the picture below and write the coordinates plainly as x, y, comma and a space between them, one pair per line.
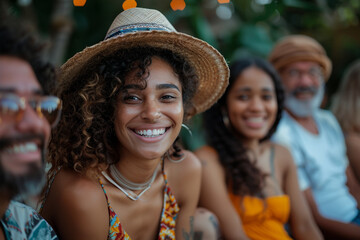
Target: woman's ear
189, 113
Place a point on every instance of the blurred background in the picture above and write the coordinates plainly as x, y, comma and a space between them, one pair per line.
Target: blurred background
237, 28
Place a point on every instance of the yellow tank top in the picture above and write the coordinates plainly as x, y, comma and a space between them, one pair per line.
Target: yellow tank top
263, 219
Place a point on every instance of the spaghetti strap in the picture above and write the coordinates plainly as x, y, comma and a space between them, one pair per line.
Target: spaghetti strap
272, 166
272, 161
103, 188
48, 190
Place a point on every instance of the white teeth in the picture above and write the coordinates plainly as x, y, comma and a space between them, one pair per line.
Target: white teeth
256, 120
22, 148
151, 133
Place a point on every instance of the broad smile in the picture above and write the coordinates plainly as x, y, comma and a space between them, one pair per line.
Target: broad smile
21, 148
150, 133
255, 122
255, 119
16, 155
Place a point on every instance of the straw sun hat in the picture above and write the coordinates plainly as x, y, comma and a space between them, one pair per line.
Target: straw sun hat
145, 27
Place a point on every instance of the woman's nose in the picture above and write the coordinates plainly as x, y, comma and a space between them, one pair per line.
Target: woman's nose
256, 104
151, 110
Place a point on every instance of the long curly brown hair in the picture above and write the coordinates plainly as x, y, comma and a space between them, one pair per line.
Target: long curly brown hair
242, 175
85, 135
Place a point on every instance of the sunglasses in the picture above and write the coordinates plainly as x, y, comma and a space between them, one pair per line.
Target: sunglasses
12, 107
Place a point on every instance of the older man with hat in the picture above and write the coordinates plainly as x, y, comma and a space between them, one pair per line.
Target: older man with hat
314, 137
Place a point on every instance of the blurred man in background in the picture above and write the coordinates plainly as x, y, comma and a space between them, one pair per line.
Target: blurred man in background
26, 116
315, 138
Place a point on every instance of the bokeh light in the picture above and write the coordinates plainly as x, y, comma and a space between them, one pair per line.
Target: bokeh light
79, 3
177, 5
129, 4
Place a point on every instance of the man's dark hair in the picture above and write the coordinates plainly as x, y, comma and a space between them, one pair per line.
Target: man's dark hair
17, 42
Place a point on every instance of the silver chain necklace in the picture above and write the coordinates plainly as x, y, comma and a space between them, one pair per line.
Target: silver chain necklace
117, 182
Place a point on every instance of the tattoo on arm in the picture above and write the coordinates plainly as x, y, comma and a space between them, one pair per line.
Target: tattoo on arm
189, 235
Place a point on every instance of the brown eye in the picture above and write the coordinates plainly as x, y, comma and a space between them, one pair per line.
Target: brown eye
267, 97
168, 98
131, 99
243, 97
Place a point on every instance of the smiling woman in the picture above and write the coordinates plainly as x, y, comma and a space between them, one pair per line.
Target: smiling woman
113, 152
248, 182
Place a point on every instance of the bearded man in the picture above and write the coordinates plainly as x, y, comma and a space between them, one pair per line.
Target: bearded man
27, 113
315, 138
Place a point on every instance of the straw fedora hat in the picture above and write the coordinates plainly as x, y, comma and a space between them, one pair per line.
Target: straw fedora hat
146, 27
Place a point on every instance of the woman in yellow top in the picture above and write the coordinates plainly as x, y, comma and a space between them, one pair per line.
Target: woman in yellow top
247, 180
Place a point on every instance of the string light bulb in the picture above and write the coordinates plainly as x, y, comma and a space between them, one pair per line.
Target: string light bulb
223, 1
129, 4
79, 3
177, 5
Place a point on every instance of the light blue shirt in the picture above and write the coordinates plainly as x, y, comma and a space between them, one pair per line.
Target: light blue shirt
321, 163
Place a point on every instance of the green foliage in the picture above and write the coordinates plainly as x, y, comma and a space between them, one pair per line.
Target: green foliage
254, 27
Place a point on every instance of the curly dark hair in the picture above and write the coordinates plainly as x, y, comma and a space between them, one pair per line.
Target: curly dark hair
242, 175
18, 42
85, 135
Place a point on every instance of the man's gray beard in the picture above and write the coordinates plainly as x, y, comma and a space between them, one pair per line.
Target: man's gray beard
22, 186
25, 185
304, 108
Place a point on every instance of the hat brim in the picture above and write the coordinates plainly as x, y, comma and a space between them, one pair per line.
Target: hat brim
208, 63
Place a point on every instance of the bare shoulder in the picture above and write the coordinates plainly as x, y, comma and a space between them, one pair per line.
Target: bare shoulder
206, 151
184, 177
191, 160
282, 152
283, 156
72, 186
78, 201
207, 155
188, 166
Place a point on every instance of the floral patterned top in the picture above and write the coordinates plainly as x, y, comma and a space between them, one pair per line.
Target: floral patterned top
167, 223
20, 222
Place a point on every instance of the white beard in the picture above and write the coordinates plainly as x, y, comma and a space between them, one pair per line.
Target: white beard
304, 108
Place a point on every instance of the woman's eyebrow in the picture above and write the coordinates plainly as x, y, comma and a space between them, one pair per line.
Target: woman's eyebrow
167, 85
133, 86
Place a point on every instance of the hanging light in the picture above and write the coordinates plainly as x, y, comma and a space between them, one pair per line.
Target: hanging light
177, 5
24, 3
79, 3
129, 4
223, 1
